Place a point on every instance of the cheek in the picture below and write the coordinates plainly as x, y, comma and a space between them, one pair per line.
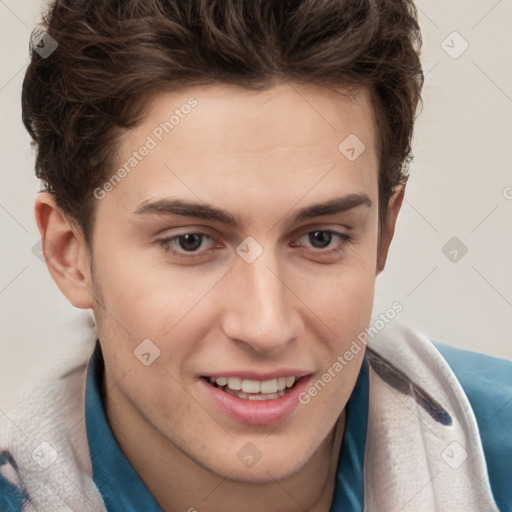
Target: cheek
142, 296
347, 313
168, 307
345, 307
343, 297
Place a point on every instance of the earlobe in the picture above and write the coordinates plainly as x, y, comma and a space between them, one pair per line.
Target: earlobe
388, 228
66, 252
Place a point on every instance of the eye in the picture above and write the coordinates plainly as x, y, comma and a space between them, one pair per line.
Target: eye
194, 245
324, 241
320, 239
180, 245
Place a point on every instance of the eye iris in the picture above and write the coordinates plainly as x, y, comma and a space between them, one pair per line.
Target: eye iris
320, 238
190, 242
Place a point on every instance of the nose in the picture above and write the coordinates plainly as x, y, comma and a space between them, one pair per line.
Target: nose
261, 310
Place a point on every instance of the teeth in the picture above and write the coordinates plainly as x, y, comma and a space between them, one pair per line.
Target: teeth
250, 386
222, 381
254, 386
233, 383
268, 386
257, 396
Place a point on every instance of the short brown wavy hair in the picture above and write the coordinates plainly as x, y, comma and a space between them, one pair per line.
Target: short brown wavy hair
112, 53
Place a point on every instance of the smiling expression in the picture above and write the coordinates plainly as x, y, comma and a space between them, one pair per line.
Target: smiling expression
244, 247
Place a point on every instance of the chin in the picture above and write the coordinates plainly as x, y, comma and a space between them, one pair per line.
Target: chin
264, 474
267, 469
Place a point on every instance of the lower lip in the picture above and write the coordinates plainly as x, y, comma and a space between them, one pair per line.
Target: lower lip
257, 412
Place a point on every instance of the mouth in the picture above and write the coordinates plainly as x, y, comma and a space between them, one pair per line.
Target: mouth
255, 401
249, 389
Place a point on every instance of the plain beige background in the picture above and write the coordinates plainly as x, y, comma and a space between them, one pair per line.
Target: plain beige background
460, 186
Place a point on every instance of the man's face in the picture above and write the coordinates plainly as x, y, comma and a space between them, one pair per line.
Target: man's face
281, 290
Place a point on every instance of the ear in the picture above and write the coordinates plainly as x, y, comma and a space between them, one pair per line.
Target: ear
66, 251
388, 227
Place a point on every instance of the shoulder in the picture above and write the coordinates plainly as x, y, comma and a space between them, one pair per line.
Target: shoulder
487, 382
45, 408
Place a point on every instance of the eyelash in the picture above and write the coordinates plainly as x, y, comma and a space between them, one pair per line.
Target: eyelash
165, 243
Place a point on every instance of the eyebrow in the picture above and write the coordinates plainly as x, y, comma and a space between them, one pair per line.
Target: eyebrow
204, 211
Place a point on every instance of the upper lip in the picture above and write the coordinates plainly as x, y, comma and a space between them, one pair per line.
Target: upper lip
252, 375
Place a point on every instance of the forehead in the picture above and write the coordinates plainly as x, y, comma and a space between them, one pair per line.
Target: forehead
219, 141
240, 118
